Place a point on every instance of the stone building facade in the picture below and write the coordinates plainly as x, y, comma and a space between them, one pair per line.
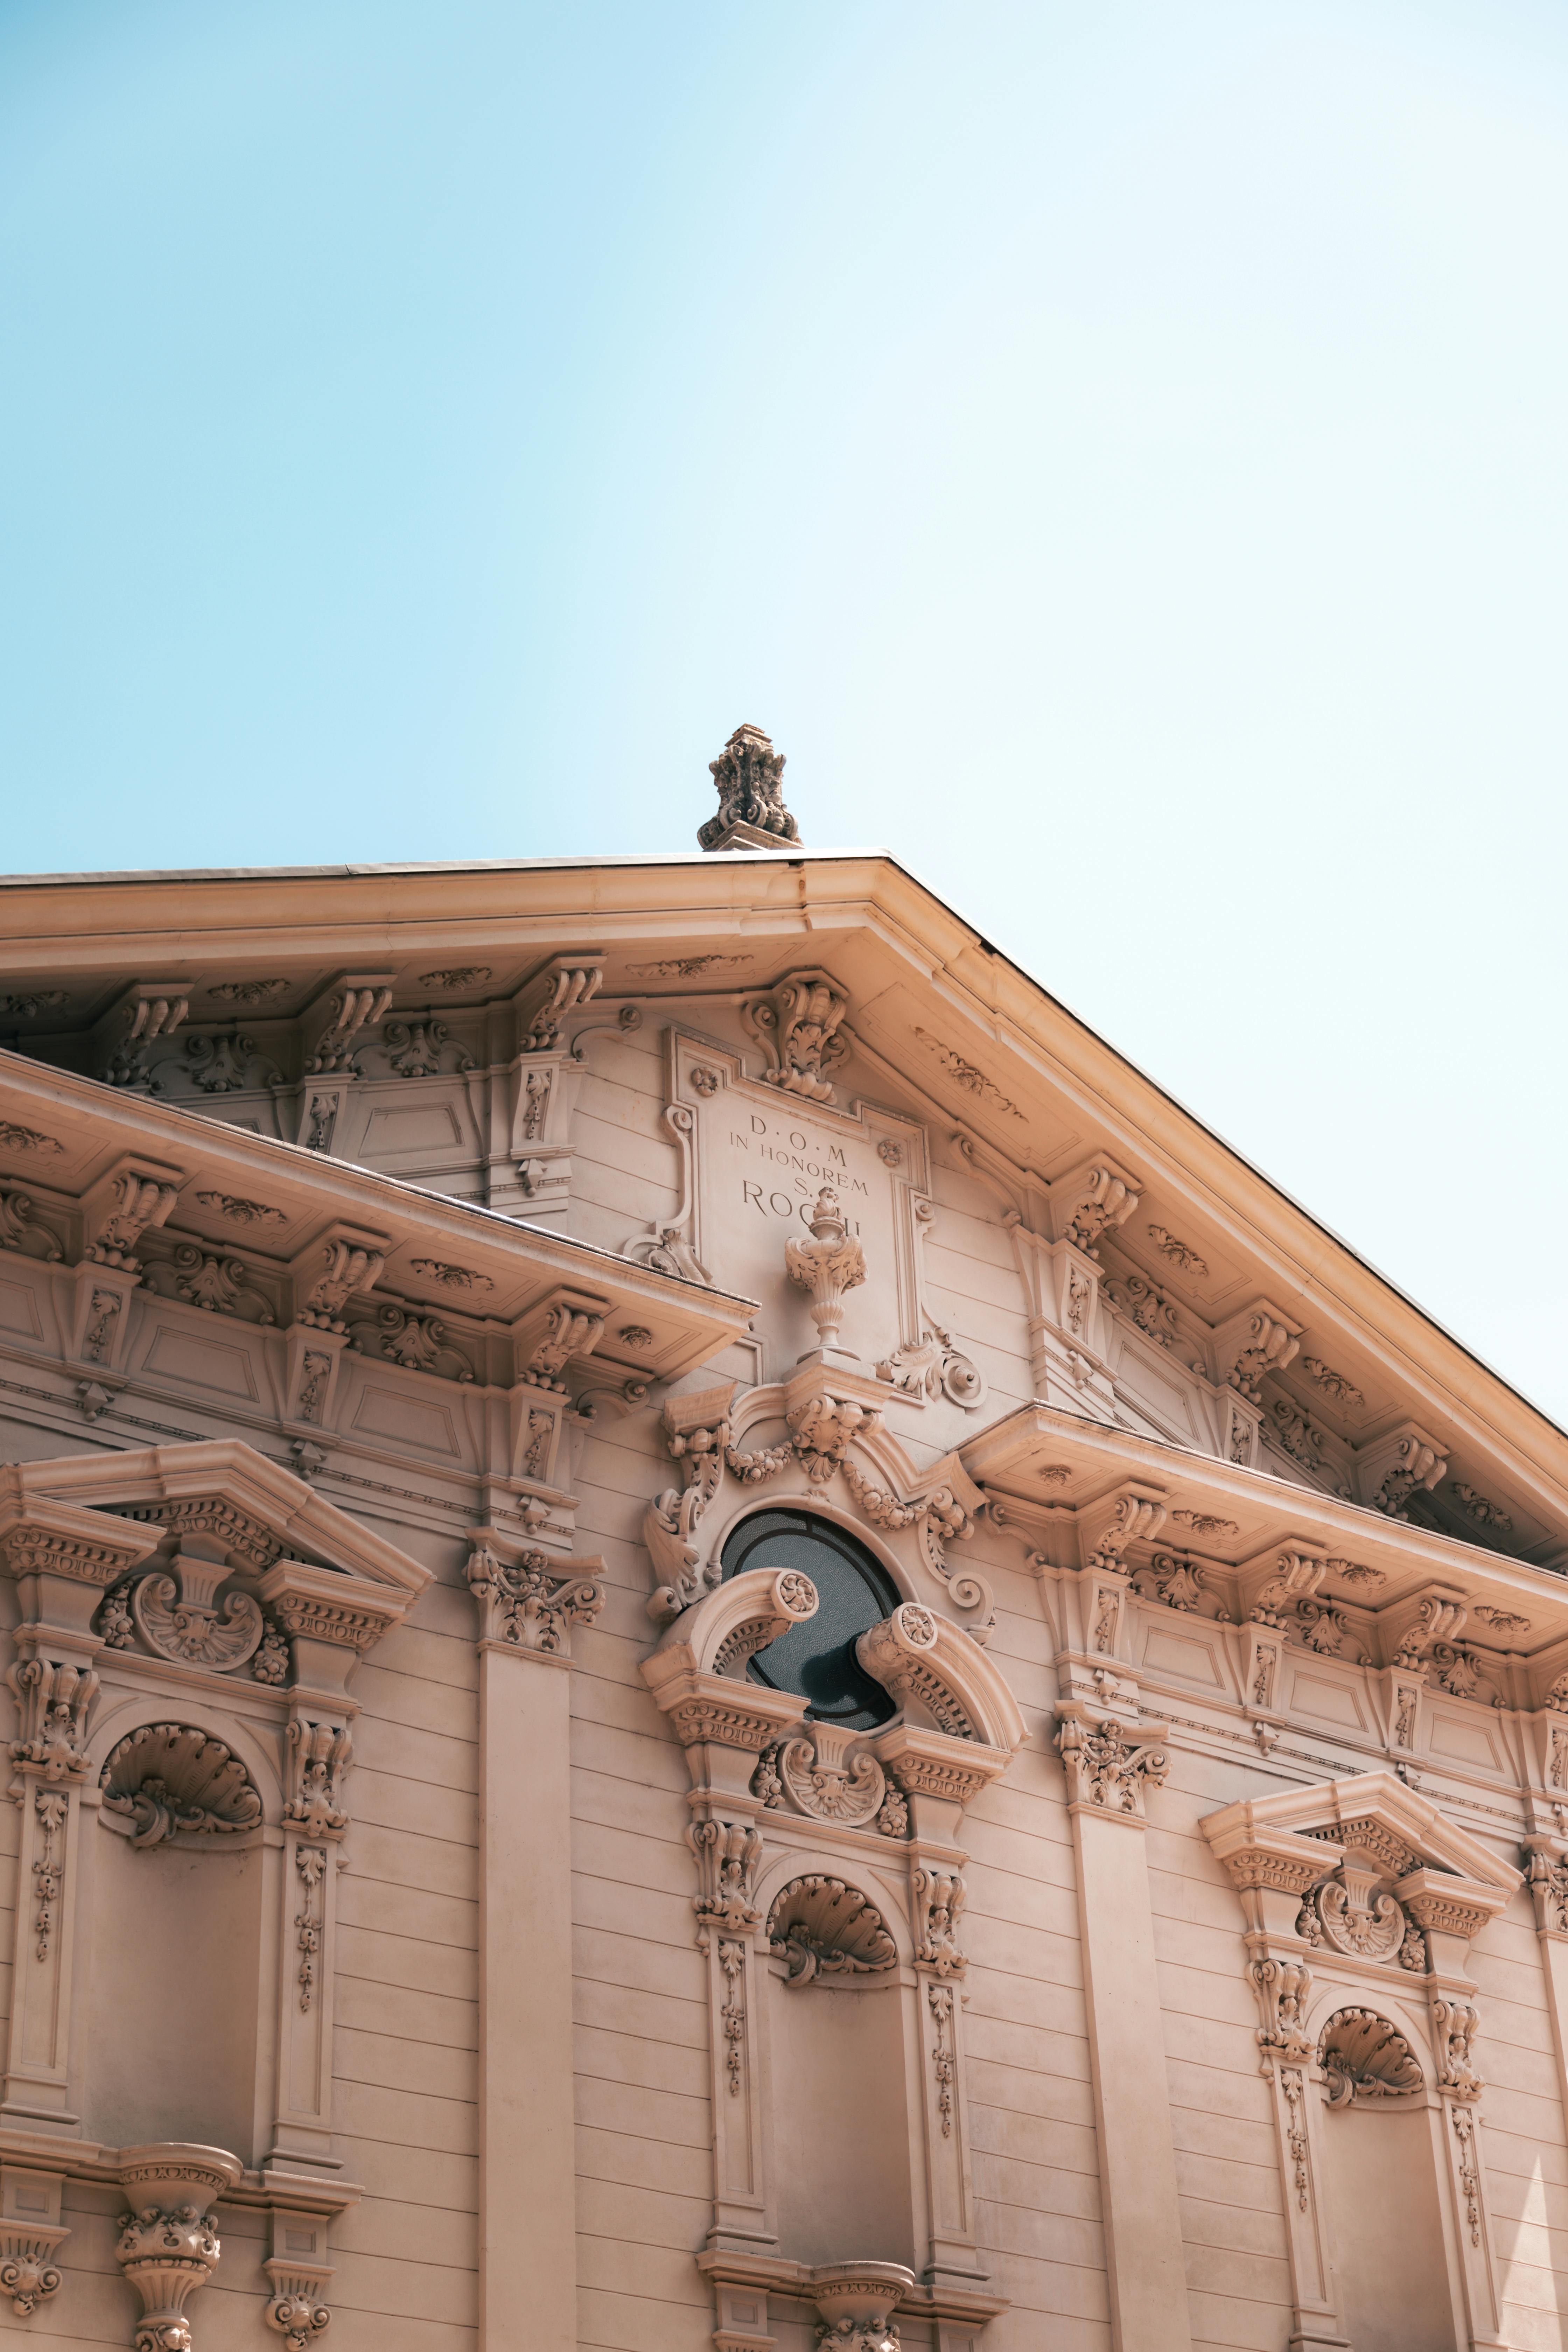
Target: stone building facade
710, 1638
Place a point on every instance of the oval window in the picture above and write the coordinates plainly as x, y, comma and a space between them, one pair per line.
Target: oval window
816, 1661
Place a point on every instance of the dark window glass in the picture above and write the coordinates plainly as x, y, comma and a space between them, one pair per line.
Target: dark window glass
816, 1661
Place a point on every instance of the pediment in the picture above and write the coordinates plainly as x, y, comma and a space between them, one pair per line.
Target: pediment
1373, 1814
224, 1490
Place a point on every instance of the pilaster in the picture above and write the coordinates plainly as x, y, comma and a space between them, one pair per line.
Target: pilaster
63, 1560
529, 1601
1145, 2269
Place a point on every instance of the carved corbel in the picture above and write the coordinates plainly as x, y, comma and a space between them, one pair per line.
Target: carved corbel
133, 1197
797, 1025
565, 985
1259, 1339
332, 1023
1546, 1869
31, 2235
1091, 1200
565, 1324
299, 2269
1411, 1627
143, 1012
330, 1619
531, 1600
54, 1701
1408, 1460
1133, 1513
1273, 1583
329, 1270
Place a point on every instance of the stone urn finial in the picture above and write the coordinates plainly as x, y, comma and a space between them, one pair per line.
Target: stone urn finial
827, 1266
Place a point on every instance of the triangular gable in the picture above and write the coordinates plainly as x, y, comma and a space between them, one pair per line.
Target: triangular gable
223, 1488
1372, 1813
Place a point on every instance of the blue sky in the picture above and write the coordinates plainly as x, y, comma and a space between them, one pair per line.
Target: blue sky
1119, 453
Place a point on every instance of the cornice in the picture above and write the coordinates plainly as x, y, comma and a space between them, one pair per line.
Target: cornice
52, 924
112, 1123
1255, 1514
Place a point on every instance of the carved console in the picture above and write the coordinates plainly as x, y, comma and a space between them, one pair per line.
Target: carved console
829, 1869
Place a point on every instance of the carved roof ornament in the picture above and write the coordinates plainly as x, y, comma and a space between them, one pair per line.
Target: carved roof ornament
749, 775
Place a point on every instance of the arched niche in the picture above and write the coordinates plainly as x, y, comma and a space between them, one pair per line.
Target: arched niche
842, 2018
176, 1919
1382, 2154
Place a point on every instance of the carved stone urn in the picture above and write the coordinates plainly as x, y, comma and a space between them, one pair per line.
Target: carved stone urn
827, 1266
856, 2301
167, 2246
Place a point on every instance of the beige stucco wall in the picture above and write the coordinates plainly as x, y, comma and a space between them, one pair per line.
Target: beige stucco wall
407, 1977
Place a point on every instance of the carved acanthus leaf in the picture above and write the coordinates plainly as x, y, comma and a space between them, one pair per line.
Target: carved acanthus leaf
1179, 1253
798, 1025
21, 1228
420, 1343
319, 1754
527, 1606
1146, 1307
939, 1898
969, 1076
239, 1210
1102, 1770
